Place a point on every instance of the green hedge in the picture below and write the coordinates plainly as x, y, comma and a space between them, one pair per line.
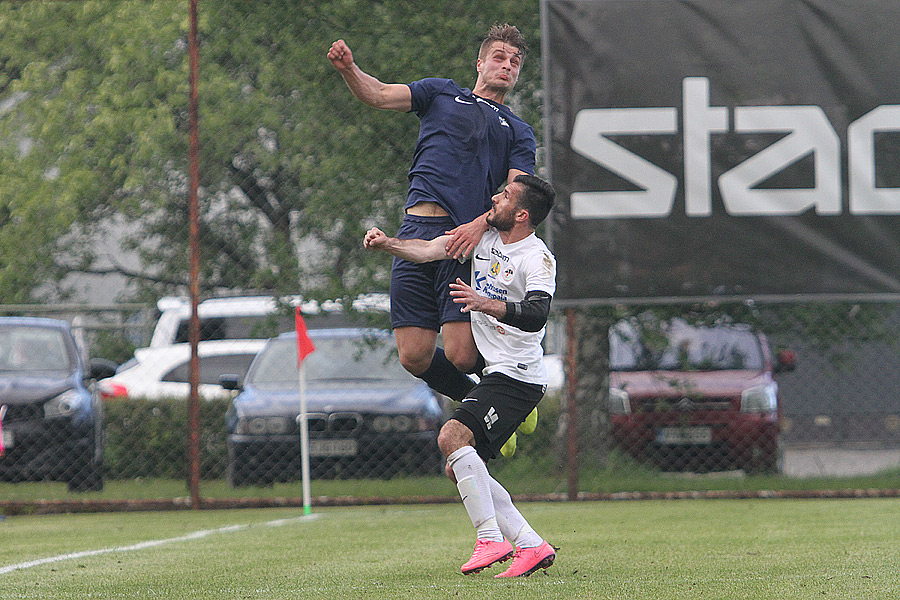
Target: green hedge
150, 438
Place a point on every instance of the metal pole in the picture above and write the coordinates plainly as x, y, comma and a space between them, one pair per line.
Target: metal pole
304, 443
193, 203
571, 367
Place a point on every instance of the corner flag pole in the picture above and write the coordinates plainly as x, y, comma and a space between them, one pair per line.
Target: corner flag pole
304, 348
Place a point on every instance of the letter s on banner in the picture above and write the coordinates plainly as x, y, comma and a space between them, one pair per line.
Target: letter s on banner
589, 139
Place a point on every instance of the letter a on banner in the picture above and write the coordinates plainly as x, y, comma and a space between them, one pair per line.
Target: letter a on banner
305, 347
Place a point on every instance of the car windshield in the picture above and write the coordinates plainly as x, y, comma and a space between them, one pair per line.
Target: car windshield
335, 359
27, 348
677, 346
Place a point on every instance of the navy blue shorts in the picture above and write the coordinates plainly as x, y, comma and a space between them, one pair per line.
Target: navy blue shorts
420, 293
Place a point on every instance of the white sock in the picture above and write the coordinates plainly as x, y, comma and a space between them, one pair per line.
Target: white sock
473, 483
511, 522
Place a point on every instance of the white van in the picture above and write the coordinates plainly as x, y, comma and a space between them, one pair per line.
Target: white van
248, 317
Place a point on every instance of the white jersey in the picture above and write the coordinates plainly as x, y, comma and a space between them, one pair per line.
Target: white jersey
506, 272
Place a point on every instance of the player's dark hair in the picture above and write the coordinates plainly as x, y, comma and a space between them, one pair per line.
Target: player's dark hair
506, 33
537, 198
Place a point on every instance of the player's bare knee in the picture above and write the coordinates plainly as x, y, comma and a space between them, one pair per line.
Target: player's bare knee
415, 363
463, 358
453, 436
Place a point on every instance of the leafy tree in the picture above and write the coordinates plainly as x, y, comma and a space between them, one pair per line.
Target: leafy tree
293, 169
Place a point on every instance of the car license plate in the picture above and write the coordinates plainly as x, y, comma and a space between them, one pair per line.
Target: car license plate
684, 435
326, 448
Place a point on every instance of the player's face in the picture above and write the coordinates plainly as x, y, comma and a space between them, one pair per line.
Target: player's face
499, 68
504, 210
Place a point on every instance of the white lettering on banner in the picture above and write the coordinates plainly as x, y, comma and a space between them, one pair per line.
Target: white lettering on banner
588, 139
808, 132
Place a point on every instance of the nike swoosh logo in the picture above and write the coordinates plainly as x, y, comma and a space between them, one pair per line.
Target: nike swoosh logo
461, 101
481, 257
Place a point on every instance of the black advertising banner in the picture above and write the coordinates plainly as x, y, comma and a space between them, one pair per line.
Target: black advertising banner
724, 147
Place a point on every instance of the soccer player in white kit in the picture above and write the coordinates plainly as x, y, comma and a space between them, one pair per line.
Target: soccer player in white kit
513, 281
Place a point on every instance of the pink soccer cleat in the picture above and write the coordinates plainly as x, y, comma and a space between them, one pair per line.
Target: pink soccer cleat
487, 553
528, 560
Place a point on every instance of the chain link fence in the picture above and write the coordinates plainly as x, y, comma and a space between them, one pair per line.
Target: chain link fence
93, 186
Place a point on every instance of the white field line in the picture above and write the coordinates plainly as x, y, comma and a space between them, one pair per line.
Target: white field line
150, 543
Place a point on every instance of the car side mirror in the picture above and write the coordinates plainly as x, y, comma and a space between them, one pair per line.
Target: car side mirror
101, 368
785, 360
230, 382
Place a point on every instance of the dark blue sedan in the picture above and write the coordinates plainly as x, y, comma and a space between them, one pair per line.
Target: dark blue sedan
367, 416
51, 425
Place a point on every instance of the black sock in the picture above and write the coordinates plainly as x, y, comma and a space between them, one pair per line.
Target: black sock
443, 377
479, 365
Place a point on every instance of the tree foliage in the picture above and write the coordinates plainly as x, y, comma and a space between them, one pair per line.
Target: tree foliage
94, 138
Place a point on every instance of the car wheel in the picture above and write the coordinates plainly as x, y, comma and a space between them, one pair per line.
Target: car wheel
240, 472
86, 474
765, 461
87, 479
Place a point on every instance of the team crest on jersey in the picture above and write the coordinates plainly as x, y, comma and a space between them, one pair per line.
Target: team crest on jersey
507, 275
495, 269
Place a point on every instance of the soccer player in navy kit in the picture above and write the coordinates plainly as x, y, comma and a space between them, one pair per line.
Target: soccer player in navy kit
469, 145
513, 282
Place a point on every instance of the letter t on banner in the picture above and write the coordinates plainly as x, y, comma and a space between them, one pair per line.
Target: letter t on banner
305, 347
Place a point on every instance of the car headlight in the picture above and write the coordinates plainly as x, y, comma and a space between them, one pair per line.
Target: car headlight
619, 402
394, 423
264, 426
762, 398
65, 405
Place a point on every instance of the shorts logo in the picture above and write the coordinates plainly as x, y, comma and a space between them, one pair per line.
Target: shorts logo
490, 418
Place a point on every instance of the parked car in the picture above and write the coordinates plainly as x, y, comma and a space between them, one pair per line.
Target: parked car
163, 372
52, 427
695, 398
367, 416
250, 317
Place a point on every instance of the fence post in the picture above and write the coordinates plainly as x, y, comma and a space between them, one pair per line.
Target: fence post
194, 152
571, 404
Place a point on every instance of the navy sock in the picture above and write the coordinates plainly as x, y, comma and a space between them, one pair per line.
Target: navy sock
443, 377
479, 365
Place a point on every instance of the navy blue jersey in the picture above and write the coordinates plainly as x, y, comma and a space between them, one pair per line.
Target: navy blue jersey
466, 147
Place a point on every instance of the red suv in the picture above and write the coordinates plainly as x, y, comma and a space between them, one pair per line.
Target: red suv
697, 398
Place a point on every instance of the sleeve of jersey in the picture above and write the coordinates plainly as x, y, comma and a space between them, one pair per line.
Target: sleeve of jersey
530, 314
522, 155
423, 92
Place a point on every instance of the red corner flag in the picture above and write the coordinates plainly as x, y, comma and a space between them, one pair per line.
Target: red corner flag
305, 345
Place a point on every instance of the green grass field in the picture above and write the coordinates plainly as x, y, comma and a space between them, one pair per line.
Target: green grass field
717, 549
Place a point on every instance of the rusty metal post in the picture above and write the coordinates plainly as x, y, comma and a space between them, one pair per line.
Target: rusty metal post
193, 202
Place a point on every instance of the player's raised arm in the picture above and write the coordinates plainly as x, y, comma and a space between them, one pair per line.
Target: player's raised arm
418, 251
368, 89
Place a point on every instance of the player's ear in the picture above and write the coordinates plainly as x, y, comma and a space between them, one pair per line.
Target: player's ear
522, 215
